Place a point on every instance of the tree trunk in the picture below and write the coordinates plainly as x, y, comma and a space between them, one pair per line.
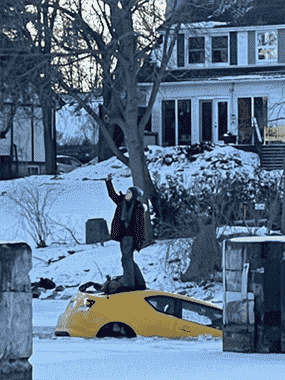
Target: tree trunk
104, 150
139, 170
50, 153
206, 255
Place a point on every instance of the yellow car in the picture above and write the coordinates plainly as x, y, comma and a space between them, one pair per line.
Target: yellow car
146, 313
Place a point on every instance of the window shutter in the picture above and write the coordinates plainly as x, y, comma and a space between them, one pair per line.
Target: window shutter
281, 45
251, 48
233, 48
180, 50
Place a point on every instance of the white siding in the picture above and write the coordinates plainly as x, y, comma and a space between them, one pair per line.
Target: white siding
23, 134
156, 116
5, 145
272, 89
195, 134
39, 146
242, 48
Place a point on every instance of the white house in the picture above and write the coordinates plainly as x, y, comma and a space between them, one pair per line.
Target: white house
220, 78
22, 148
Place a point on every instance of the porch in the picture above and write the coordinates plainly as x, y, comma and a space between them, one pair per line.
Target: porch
271, 156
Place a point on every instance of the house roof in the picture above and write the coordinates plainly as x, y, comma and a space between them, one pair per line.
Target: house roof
257, 12
230, 73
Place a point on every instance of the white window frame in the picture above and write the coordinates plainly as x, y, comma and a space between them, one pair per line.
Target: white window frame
266, 60
211, 49
33, 167
188, 52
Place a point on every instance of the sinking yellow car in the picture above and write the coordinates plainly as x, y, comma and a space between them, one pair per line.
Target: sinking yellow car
144, 312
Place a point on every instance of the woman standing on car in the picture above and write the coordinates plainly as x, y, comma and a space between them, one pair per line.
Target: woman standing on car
128, 227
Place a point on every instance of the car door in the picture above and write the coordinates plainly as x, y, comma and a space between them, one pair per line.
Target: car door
161, 320
198, 319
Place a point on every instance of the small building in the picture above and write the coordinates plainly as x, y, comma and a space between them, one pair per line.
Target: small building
22, 147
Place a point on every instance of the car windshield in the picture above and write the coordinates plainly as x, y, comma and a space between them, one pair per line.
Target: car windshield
63, 160
76, 163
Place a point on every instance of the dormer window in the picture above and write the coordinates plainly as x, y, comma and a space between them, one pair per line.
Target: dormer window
196, 49
267, 46
220, 49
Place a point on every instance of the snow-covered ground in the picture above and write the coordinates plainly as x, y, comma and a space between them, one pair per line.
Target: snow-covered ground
81, 195
148, 359
154, 358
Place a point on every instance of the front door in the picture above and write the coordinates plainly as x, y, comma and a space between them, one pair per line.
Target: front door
168, 123
184, 122
206, 119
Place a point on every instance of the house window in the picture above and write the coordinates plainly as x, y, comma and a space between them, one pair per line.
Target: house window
248, 108
267, 46
168, 123
260, 113
219, 49
222, 119
33, 170
196, 50
141, 112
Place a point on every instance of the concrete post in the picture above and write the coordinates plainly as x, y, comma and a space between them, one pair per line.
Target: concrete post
16, 337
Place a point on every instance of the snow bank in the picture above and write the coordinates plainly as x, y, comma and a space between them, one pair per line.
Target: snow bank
81, 195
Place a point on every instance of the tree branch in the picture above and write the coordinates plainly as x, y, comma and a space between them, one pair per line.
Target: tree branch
101, 124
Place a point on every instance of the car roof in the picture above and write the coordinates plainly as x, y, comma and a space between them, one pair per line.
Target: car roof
64, 156
150, 292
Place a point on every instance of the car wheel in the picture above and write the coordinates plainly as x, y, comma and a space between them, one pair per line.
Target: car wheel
116, 330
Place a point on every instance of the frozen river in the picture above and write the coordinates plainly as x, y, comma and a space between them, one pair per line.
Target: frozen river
62, 358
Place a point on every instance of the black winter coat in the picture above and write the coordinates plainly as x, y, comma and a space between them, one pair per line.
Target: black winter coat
137, 223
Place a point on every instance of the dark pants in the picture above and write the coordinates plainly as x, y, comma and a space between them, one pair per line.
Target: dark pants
132, 274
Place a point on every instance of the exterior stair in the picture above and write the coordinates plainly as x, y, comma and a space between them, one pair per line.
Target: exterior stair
273, 156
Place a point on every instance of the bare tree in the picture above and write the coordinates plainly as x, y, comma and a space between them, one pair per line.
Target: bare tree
34, 210
104, 48
28, 27
116, 38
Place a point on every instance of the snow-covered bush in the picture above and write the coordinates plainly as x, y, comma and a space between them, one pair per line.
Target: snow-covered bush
177, 211
222, 198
